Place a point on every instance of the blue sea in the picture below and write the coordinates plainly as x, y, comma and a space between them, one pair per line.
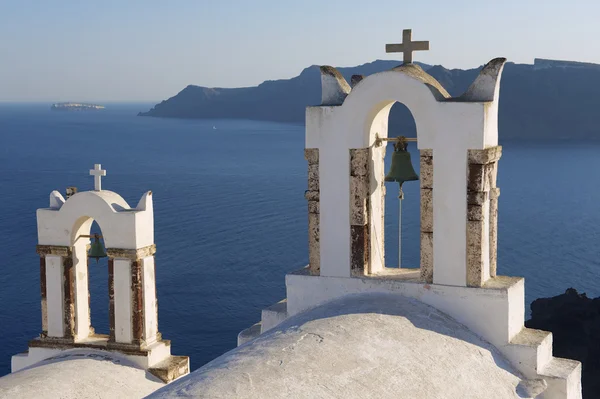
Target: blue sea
231, 218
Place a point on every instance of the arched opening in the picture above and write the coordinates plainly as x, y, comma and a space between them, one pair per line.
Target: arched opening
91, 288
402, 232
390, 120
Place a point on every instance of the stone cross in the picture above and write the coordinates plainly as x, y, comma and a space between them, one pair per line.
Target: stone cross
97, 172
407, 46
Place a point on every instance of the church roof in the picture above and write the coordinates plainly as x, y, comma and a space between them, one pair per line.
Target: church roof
80, 374
360, 346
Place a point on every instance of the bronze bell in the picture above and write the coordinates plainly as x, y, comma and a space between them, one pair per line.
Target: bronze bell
401, 169
96, 249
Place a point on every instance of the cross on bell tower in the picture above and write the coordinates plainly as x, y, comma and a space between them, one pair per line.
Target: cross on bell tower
97, 172
407, 46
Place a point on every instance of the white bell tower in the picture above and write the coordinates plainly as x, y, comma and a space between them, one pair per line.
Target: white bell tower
63, 242
459, 153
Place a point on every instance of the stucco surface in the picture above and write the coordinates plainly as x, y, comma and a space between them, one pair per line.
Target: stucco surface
359, 346
80, 374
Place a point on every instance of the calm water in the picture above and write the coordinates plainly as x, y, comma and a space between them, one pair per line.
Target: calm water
230, 216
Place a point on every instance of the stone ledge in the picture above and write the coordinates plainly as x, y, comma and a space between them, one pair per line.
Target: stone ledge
494, 284
132, 254
100, 343
530, 337
529, 351
59, 342
55, 250
561, 368
249, 334
137, 346
483, 157
171, 368
273, 315
563, 377
469, 306
97, 341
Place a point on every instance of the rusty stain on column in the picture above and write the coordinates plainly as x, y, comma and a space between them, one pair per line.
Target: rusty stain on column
426, 245
137, 301
481, 214
111, 299
43, 294
312, 196
360, 244
69, 296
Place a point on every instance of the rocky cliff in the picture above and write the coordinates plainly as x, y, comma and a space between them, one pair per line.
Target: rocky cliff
550, 99
574, 320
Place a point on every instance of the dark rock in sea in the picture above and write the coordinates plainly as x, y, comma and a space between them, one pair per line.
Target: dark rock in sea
574, 320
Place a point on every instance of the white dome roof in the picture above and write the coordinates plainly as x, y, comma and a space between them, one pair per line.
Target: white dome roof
360, 346
80, 374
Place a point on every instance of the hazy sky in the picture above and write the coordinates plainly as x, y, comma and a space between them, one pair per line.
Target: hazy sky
129, 50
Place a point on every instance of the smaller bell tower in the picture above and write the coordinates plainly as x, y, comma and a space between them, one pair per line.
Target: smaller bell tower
65, 249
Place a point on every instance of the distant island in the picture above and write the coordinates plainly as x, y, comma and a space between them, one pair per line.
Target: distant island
75, 107
549, 99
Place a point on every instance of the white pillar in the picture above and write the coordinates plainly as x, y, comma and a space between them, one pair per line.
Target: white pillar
334, 226
55, 296
149, 294
132, 290
82, 294
122, 301
450, 215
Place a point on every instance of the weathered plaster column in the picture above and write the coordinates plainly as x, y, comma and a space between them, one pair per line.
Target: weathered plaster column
57, 288
150, 310
426, 179
137, 301
132, 293
360, 244
120, 296
81, 290
494, 194
481, 181
376, 207
43, 295
312, 195
111, 300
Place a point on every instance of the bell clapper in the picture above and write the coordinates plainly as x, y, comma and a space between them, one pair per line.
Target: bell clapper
97, 241
400, 198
